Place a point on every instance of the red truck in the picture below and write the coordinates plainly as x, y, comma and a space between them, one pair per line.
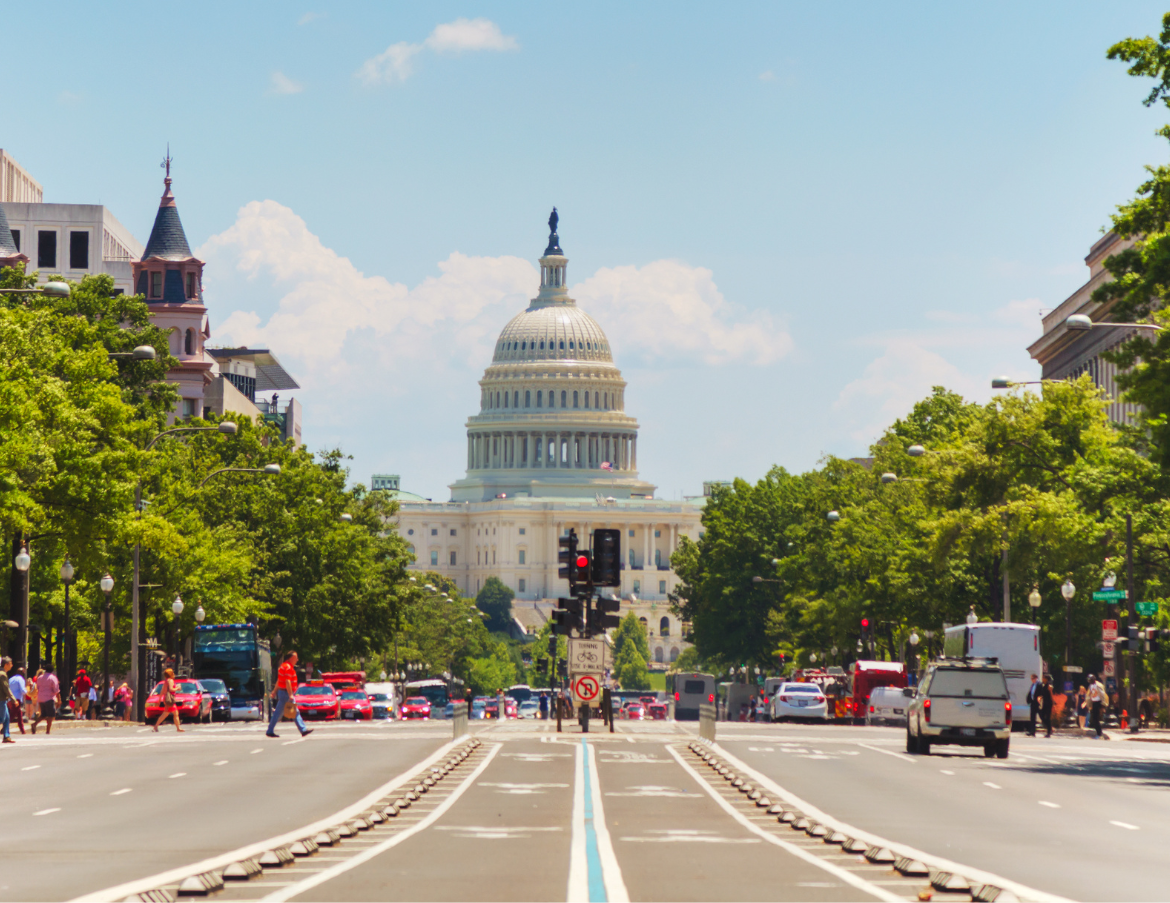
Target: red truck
865, 676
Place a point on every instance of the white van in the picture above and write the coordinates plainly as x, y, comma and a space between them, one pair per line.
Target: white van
888, 705
1016, 648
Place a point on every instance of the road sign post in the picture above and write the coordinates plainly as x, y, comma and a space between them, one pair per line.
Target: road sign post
1109, 595
587, 656
1146, 608
1108, 629
587, 689
1107, 649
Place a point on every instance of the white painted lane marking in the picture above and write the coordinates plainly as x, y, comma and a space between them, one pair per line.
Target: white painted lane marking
299, 887
179, 774
653, 790
944, 771
1126, 825
48, 811
474, 832
680, 835
85, 755
519, 789
120, 792
257, 751
991, 785
611, 873
220, 762
887, 752
830, 867
578, 891
983, 877
30, 767
1048, 804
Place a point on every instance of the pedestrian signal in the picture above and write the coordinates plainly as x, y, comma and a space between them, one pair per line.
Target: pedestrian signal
566, 558
607, 557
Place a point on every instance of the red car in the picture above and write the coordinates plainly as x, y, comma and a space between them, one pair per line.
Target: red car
657, 711
318, 700
356, 704
193, 703
647, 700
416, 707
635, 711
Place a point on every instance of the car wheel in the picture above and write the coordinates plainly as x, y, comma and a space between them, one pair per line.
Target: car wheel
924, 746
1001, 748
911, 742
988, 750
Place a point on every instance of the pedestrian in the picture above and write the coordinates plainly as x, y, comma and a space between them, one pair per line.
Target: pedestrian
284, 693
1045, 700
5, 698
48, 698
30, 696
81, 688
1033, 705
167, 701
1082, 707
543, 707
753, 710
128, 698
16, 684
1096, 698
120, 701
94, 708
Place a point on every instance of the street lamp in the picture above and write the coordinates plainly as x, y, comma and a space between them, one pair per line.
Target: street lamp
271, 470
972, 618
916, 451
346, 517
1068, 590
177, 608
1002, 382
107, 585
141, 353
200, 614
21, 562
1082, 323
1034, 600
52, 289
65, 669
833, 517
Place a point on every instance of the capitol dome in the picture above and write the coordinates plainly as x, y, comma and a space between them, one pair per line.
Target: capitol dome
552, 419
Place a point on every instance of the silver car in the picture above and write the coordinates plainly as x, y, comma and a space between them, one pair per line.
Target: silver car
888, 705
803, 701
961, 702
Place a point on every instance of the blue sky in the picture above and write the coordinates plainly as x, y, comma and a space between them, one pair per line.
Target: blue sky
791, 219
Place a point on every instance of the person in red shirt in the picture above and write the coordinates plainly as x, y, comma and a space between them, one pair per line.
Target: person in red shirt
286, 689
81, 692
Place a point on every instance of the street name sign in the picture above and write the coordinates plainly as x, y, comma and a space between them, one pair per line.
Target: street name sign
1073, 669
1107, 649
1108, 670
1146, 608
587, 688
586, 656
1109, 595
1108, 630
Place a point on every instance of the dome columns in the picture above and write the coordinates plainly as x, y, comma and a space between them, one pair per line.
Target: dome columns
569, 449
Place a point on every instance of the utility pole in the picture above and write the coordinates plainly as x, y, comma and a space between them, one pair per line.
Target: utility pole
1007, 589
1134, 720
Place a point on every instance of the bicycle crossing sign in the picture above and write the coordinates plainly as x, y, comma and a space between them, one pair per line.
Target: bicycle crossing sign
586, 656
587, 688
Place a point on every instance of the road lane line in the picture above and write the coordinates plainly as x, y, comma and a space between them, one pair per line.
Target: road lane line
888, 752
120, 792
85, 755
1120, 824
179, 774
48, 811
992, 785
598, 844
797, 851
944, 771
299, 887
30, 767
220, 762
257, 751
578, 891
1048, 804
975, 874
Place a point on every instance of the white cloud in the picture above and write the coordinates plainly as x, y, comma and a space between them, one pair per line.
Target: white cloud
309, 17
767, 76
70, 98
282, 84
396, 63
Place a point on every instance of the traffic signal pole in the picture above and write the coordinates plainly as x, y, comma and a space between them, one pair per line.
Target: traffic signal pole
1134, 719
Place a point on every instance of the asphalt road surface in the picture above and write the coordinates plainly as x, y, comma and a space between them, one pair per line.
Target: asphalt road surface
527, 814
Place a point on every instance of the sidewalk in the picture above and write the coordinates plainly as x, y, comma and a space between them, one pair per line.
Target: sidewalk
73, 724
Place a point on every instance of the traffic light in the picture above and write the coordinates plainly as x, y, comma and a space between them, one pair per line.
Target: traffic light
563, 668
567, 618
607, 557
583, 578
1133, 638
566, 557
782, 661
866, 631
552, 646
602, 619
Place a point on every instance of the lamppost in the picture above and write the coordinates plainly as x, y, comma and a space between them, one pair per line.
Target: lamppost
1082, 323
107, 585
1034, 601
914, 648
1068, 590
177, 608
200, 614
21, 562
972, 618
272, 470
65, 660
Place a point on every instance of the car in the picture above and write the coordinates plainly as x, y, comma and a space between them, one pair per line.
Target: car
657, 711
221, 699
529, 709
511, 709
416, 707
887, 705
647, 700
193, 703
356, 704
478, 709
382, 705
797, 700
449, 710
961, 702
318, 700
635, 711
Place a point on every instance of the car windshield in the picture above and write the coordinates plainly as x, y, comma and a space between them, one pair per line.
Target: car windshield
636, 707
978, 684
477, 704
353, 694
214, 686
800, 688
315, 691
379, 697
418, 700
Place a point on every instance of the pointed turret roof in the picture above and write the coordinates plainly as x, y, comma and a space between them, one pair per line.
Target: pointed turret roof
7, 245
167, 239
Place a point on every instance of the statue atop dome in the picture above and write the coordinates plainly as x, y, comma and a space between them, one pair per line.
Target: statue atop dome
554, 240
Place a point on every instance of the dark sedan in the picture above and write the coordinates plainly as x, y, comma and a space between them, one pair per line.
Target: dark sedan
221, 699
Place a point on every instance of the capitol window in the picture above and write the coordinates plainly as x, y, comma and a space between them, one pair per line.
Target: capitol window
434, 559
595, 399
527, 399
564, 395
515, 399
410, 532
522, 585
452, 531
662, 590
434, 531
562, 344
538, 397
522, 531
452, 559
586, 399
521, 554
575, 400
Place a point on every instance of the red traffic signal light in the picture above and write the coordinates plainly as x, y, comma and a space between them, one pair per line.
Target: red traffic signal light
582, 561
865, 623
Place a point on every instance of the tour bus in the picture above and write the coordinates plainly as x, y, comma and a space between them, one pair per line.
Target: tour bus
434, 689
1016, 647
235, 654
690, 689
520, 692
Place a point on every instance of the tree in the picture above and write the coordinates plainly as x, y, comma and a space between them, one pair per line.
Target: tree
631, 632
495, 601
630, 668
492, 672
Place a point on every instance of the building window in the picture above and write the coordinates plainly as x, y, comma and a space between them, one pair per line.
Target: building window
522, 531
658, 557
452, 559
79, 250
411, 550
434, 531
564, 395
410, 532
657, 533
521, 554
493, 556
631, 533
156, 285
575, 400
452, 531
46, 249
662, 587
538, 396
523, 585
189, 344
664, 627
674, 653
16, 238
190, 285
658, 655
631, 559
595, 398
434, 559
515, 399
637, 586
586, 399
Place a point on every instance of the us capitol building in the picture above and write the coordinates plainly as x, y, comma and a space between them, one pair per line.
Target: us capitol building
552, 448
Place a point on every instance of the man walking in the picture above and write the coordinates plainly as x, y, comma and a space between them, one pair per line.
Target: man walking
286, 688
16, 707
1045, 700
1096, 698
1033, 706
5, 698
81, 687
48, 697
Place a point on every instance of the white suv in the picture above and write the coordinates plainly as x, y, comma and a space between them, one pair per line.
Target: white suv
964, 703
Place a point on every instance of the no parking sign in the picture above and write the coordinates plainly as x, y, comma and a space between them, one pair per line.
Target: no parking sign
587, 688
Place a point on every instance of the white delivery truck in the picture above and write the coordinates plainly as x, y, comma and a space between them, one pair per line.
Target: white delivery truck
1016, 647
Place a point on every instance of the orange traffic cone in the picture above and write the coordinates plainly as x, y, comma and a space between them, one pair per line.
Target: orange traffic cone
1124, 719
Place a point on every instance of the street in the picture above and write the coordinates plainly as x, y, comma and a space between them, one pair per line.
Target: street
522, 813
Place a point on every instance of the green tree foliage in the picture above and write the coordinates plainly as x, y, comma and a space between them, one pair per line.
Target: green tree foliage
631, 632
495, 671
495, 601
630, 668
